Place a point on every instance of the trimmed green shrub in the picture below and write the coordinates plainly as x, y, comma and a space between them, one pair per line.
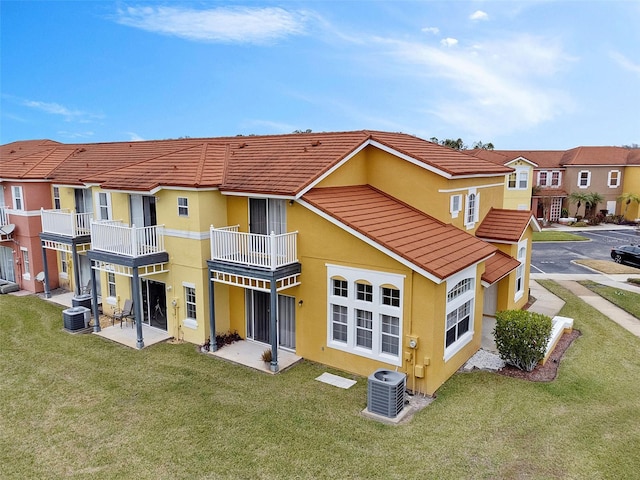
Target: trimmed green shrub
521, 337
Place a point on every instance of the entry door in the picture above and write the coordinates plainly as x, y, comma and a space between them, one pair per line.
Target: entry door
259, 319
6, 265
154, 303
490, 300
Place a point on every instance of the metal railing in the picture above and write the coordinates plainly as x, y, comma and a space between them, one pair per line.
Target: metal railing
265, 251
4, 216
131, 241
66, 222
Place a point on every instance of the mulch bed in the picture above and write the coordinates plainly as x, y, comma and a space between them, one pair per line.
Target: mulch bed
548, 371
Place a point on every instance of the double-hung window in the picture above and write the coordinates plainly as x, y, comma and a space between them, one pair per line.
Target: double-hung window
190, 305
26, 264
56, 198
183, 207
16, 194
584, 178
613, 179
522, 257
365, 313
472, 210
103, 200
111, 282
455, 205
460, 312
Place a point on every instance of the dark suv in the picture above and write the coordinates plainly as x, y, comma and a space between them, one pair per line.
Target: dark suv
626, 254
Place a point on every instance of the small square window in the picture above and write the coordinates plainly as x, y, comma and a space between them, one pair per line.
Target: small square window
364, 292
391, 297
340, 288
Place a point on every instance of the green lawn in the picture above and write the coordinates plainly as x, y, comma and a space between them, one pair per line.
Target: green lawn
550, 236
80, 406
628, 301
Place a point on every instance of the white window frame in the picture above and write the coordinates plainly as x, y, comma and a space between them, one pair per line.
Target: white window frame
543, 178
17, 197
457, 300
610, 176
455, 205
64, 265
472, 208
546, 178
26, 263
103, 206
519, 175
56, 198
558, 175
183, 209
588, 178
111, 284
189, 292
523, 179
519, 280
385, 308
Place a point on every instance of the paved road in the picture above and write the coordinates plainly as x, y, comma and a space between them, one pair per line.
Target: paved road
556, 257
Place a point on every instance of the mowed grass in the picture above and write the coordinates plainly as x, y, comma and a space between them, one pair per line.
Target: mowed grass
82, 407
551, 236
626, 300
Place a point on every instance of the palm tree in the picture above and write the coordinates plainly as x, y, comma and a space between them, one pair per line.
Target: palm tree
592, 201
579, 198
627, 198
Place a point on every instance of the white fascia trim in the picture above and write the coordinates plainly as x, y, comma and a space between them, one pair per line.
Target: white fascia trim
412, 160
375, 245
170, 232
493, 240
186, 189
24, 180
599, 165
332, 169
256, 195
466, 189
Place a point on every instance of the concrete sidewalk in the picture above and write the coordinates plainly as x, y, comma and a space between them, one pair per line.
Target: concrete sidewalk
548, 304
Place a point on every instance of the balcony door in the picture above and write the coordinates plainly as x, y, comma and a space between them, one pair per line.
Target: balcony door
143, 210
154, 303
259, 319
84, 204
267, 215
6, 265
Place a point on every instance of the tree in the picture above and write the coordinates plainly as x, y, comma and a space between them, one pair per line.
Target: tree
482, 146
627, 198
460, 145
591, 202
579, 198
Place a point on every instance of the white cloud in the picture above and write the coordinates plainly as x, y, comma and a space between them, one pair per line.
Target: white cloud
222, 24
57, 109
433, 30
625, 63
75, 135
448, 42
134, 137
489, 89
479, 15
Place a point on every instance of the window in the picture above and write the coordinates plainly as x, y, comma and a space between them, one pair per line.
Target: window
103, 199
542, 178
56, 198
111, 284
183, 207
522, 258
364, 313
26, 264
460, 309
584, 178
190, 302
549, 178
16, 193
523, 180
473, 208
614, 179
456, 205
518, 180
555, 179
340, 288
64, 265
511, 183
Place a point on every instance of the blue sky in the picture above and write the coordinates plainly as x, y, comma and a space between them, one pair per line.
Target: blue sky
522, 75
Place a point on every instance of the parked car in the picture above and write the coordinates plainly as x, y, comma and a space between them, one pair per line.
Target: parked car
626, 254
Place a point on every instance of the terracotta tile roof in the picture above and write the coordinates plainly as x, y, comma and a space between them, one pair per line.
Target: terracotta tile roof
551, 192
542, 158
503, 225
557, 159
267, 164
498, 266
596, 156
437, 248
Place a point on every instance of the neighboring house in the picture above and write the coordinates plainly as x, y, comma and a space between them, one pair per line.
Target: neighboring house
358, 250
609, 171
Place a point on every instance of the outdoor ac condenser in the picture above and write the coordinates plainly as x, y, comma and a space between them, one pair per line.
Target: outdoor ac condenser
386, 392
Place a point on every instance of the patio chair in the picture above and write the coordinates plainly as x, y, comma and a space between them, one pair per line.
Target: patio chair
86, 290
123, 313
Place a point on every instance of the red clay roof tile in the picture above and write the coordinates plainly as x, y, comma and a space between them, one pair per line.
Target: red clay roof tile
503, 225
498, 266
425, 242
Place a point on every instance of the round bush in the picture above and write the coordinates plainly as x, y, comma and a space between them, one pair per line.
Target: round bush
521, 337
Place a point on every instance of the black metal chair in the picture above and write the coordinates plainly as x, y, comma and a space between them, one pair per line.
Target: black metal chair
124, 313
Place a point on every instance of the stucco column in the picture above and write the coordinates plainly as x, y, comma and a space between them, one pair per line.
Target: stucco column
273, 306
137, 308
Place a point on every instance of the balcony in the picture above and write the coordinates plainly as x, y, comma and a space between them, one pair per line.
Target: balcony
129, 241
67, 223
4, 216
251, 249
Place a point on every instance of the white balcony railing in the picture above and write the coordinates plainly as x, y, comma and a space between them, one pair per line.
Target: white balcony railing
266, 251
66, 222
4, 216
131, 241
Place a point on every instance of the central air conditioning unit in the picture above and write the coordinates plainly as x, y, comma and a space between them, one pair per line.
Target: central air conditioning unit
76, 318
386, 392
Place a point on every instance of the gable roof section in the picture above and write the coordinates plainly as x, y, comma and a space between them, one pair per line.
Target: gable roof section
417, 239
505, 226
593, 156
32, 159
498, 266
